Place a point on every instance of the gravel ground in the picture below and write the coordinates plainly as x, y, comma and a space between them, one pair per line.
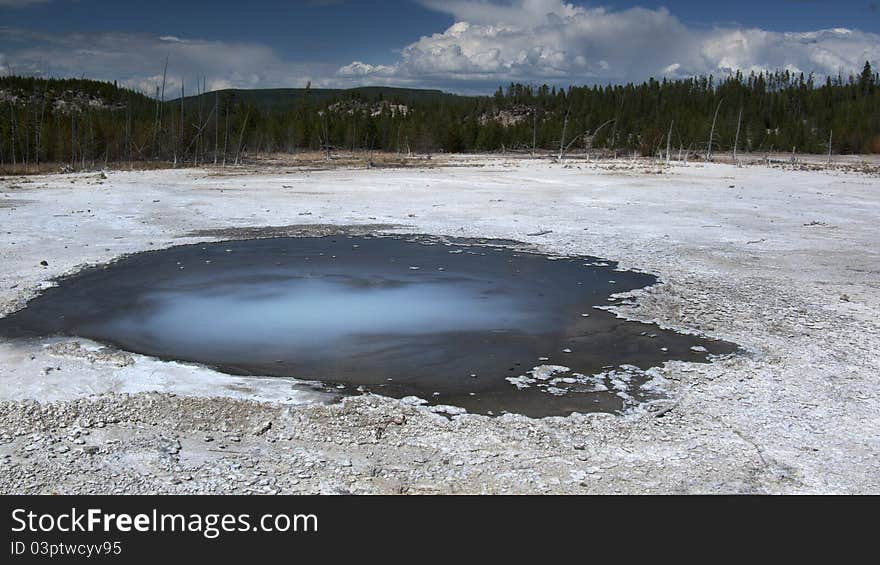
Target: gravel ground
785, 262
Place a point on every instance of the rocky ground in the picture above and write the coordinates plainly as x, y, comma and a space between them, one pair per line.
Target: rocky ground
784, 262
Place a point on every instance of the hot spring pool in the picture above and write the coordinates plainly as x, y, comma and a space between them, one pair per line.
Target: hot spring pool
477, 326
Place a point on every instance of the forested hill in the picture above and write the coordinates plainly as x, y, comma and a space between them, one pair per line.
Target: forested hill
81, 121
67, 93
285, 99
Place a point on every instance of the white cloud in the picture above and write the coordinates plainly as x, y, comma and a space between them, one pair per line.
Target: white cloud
359, 69
558, 42
491, 43
137, 60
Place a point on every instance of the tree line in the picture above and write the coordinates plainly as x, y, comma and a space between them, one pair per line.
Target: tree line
84, 122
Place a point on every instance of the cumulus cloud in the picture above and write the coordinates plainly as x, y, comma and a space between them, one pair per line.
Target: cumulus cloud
137, 60
491, 42
359, 69
558, 42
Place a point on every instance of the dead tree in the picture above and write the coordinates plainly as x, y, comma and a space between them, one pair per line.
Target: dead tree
197, 139
534, 130
72, 139
241, 137
830, 133
39, 139
562, 138
585, 134
178, 146
669, 142
91, 138
712, 132
27, 134
326, 137
160, 101
226, 135
216, 124
200, 129
616, 121
736, 140
12, 123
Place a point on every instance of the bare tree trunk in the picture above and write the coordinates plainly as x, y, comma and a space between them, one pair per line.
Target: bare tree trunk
226, 135
40, 123
534, 130
179, 134
131, 136
12, 122
207, 120
614, 130
27, 138
156, 125
712, 132
72, 140
562, 138
91, 139
830, 133
161, 106
126, 144
241, 137
669, 142
586, 133
198, 138
326, 129
736, 141
216, 124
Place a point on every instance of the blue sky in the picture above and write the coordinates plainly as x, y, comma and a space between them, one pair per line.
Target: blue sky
272, 43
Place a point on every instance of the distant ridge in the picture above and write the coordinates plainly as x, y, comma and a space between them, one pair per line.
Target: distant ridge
287, 98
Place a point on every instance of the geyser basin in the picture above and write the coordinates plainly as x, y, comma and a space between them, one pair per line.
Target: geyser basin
481, 327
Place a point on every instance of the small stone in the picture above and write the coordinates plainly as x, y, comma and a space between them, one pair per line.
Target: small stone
264, 428
169, 446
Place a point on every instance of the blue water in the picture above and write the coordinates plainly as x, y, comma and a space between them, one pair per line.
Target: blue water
455, 324
315, 318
